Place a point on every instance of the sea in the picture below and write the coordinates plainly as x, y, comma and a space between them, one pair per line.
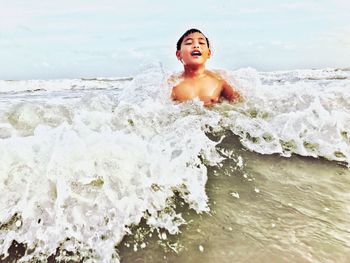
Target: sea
113, 170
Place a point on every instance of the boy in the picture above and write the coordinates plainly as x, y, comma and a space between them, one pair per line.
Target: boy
193, 51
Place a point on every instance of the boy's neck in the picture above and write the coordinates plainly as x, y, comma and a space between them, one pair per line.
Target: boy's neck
194, 71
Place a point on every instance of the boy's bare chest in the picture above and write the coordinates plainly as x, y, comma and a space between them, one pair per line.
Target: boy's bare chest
204, 89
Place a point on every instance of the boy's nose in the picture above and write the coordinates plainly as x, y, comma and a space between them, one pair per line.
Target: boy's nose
195, 44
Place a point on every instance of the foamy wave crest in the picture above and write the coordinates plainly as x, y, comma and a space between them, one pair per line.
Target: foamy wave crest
310, 118
76, 176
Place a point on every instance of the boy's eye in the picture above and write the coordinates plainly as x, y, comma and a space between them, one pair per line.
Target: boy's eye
202, 43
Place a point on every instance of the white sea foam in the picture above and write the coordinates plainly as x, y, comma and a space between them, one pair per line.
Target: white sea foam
77, 175
77, 172
309, 118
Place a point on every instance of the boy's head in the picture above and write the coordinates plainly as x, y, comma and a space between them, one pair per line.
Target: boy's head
193, 48
188, 32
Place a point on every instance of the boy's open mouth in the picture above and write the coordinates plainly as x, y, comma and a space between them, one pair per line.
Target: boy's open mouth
196, 53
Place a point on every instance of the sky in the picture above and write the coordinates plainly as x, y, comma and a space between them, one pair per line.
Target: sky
105, 38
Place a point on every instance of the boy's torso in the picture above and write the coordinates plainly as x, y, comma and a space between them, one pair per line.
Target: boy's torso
207, 88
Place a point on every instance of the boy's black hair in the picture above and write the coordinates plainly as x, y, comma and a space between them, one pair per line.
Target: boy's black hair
190, 31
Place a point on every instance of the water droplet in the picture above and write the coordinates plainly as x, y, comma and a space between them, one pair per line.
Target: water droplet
201, 248
235, 194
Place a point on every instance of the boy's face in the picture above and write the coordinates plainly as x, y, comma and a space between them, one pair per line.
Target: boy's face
194, 50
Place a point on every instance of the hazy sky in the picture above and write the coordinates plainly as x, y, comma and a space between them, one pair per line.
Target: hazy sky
105, 38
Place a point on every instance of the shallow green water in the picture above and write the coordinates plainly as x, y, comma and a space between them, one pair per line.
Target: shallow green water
272, 209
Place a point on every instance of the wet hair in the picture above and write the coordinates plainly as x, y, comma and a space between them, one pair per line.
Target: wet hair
188, 32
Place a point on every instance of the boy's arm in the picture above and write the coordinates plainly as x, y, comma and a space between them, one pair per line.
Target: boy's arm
229, 92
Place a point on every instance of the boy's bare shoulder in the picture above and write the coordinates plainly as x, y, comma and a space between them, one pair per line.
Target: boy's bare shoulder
174, 79
212, 74
218, 75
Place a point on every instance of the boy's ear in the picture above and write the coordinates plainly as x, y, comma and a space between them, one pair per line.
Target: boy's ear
178, 54
209, 53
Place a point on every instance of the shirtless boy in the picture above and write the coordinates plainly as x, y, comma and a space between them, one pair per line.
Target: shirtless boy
196, 81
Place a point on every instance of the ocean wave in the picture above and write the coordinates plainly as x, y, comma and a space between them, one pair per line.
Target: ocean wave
77, 174
28, 86
304, 75
305, 118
